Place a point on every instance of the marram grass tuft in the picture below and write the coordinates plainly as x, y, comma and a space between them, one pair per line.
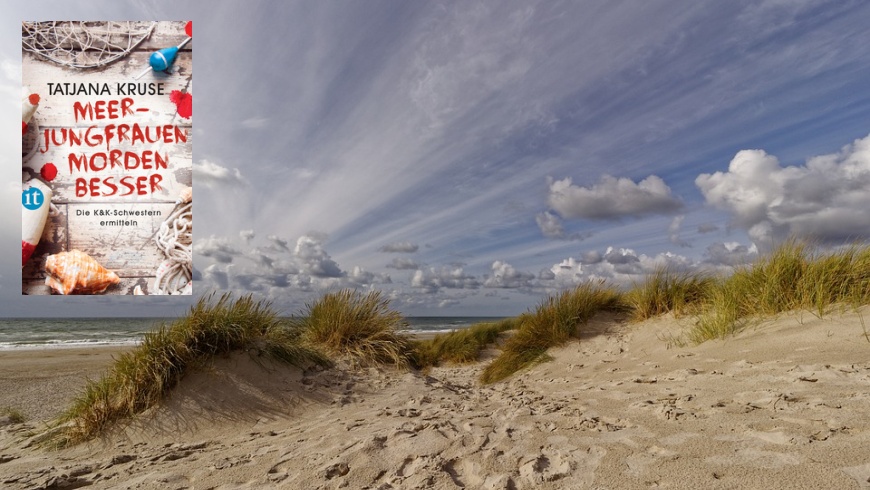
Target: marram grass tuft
144, 376
360, 326
555, 320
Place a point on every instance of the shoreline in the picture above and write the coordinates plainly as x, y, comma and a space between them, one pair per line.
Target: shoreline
40, 383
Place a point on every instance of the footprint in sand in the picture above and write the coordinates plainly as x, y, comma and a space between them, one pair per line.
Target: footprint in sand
549, 465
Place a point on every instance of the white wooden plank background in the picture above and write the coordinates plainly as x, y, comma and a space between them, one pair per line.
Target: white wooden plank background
128, 251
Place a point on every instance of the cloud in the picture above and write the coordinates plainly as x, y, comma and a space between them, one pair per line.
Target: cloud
826, 199
11, 70
621, 261
505, 276
260, 258
217, 248
565, 274
211, 174
730, 254
361, 276
612, 198
434, 279
255, 122
591, 257
217, 275
279, 243
674, 232
402, 263
551, 227
314, 259
247, 235
707, 228
400, 247
619, 266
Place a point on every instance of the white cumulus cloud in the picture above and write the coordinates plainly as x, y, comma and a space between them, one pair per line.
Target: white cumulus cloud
612, 198
825, 199
211, 174
445, 277
313, 258
506, 276
218, 248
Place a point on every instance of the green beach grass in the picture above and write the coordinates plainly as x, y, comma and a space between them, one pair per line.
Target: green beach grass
459, 346
664, 291
142, 377
794, 276
554, 321
360, 326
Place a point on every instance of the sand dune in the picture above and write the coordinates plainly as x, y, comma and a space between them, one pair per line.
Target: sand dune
782, 405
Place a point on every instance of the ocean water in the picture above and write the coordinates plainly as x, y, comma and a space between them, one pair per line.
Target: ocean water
47, 333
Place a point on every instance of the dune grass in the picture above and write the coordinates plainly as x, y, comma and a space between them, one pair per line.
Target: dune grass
142, 377
360, 326
554, 321
794, 276
665, 291
15, 415
459, 346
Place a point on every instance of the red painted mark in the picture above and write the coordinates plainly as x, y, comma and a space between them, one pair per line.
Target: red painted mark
34, 99
26, 251
183, 103
143, 109
48, 171
188, 29
23, 128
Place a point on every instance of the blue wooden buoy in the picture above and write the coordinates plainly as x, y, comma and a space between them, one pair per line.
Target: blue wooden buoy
163, 59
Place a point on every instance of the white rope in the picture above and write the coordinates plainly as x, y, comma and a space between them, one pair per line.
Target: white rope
83, 44
175, 240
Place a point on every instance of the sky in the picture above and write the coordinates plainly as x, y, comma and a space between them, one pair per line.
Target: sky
471, 158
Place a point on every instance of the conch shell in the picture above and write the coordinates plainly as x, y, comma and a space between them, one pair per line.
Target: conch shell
185, 196
77, 272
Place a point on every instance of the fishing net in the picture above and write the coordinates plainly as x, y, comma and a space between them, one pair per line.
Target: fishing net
80, 44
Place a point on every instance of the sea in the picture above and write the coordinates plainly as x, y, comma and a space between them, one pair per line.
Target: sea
49, 333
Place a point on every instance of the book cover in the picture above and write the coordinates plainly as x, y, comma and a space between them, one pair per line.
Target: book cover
107, 157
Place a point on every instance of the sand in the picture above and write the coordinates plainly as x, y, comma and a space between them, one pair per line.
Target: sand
783, 405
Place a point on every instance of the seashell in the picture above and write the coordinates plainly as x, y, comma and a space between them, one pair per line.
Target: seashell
76, 272
185, 196
137, 291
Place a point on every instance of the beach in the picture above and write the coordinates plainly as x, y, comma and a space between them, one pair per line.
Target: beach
783, 405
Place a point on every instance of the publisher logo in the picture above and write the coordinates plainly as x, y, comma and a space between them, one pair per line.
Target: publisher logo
32, 198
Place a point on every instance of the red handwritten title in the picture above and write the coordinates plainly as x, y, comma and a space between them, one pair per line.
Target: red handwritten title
107, 158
